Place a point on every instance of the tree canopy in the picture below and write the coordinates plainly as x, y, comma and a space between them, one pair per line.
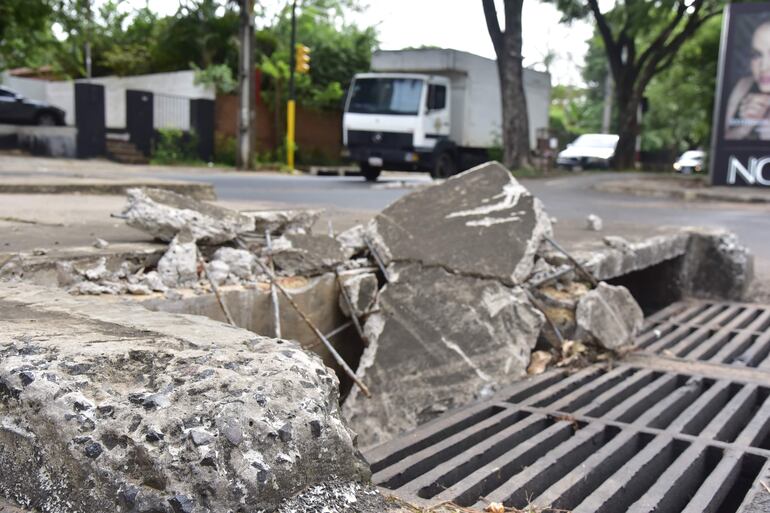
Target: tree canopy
202, 35
641, 39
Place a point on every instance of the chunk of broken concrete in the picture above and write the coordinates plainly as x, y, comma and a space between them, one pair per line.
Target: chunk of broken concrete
716, 265
352, 240
307, 255
241, 264
361, 290
439, 338
178, 267
594, 223
61, 453
163, 214
610, 315
481, 223
283, 221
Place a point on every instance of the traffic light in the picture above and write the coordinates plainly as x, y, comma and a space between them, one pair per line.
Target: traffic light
302, 59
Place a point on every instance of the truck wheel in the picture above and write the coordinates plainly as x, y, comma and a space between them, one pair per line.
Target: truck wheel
370, 173
444, 166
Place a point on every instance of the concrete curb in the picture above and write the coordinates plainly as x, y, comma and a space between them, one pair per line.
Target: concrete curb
658, 190
197, 190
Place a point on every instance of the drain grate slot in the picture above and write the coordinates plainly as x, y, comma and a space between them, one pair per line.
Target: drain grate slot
534, 480
576, 486
430, 457
463, 423
490, 453
634, 478
488, 478
750, 466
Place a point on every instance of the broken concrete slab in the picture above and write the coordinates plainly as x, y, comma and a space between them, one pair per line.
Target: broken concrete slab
307, 255
361, 289
283, 221
610, 315
438, 341
111, 407
479, 223
163, 214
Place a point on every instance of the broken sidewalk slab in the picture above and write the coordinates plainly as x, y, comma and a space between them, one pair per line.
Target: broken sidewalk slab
610, 315
438, 341
479, 223
110, 407
163, 214
283, 221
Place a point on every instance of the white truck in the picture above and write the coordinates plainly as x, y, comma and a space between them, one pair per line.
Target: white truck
431, 110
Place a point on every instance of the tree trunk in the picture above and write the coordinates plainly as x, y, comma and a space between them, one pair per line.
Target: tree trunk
628, 130
515, 122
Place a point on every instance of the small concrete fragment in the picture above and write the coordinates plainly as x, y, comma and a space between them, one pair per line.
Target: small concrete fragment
594, 223
163, 214
479, 223
307, 255
178, 267
610, 315
283, 221
361, 290
122, 409
439, 341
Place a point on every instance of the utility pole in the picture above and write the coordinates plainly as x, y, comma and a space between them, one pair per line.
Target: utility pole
291, 104
246, 89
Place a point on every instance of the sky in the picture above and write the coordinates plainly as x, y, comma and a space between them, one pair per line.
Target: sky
459, 24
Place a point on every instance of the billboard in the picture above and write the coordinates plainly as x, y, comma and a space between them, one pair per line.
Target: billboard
740, 145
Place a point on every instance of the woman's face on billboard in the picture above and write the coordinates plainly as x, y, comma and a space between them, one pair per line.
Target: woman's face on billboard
760, 57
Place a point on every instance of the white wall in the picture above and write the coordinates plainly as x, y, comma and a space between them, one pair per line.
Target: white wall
173, 113
171, 90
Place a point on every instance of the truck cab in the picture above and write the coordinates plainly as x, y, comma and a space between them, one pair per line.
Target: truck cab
399, 121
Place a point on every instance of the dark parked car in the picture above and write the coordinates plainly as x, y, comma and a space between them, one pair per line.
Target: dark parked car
18, 110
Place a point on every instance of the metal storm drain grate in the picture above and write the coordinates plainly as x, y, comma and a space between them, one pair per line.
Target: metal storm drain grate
732, 333
629, 438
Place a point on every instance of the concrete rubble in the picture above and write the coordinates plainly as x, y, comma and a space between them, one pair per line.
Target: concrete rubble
170, 413
163, 214
283, 221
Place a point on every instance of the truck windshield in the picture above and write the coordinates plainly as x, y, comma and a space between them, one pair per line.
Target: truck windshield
386, 96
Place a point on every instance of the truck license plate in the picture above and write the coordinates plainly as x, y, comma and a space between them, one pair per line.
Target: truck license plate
375, 161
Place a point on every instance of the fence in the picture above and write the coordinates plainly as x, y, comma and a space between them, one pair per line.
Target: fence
171, 111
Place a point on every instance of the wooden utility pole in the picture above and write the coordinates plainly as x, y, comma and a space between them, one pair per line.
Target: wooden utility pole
246, 86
